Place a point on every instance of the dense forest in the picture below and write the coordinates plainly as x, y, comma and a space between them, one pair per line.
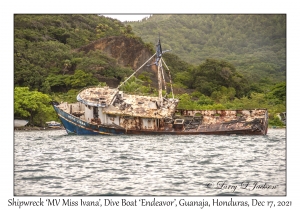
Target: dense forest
216, 62
254, 44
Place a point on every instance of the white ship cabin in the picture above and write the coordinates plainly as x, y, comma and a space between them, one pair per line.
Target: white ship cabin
104, 105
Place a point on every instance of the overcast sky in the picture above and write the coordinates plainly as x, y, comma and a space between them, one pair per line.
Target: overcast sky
130, 17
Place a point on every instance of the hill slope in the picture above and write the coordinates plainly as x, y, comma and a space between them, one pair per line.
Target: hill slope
60, 54
255, 44
45, 55
55, 53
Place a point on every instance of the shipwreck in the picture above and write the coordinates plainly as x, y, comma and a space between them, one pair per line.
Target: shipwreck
110, 111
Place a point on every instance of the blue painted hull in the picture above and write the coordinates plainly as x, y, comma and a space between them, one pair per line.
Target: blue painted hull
74, 125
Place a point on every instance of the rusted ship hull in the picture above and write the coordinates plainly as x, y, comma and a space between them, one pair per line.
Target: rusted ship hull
110, 111
75, 125
210, 123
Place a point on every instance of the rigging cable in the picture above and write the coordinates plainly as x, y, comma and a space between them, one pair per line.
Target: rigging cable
135, 71
164, 81
170, 77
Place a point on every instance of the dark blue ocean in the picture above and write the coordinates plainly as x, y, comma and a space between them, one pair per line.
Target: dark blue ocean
52, 163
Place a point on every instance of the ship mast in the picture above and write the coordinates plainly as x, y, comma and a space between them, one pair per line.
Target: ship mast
159, 71
160, 77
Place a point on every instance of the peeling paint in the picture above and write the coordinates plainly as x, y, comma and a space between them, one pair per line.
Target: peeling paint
104, 110
143, 114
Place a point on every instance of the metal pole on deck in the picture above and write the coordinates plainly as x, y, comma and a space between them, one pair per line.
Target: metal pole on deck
159, 83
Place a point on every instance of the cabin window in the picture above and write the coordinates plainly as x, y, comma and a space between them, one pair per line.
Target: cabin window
179, 121
96, 115
128, 117
111, 117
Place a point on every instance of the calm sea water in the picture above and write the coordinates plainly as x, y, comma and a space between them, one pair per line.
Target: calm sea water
52, 163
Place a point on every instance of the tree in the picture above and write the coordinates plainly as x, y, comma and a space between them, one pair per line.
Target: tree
211, 75
278, 92
133, 85
67, 65
81, 79
33, 105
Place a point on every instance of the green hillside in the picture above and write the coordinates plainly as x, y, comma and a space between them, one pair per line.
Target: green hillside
45, 57
216, 62
254, 44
